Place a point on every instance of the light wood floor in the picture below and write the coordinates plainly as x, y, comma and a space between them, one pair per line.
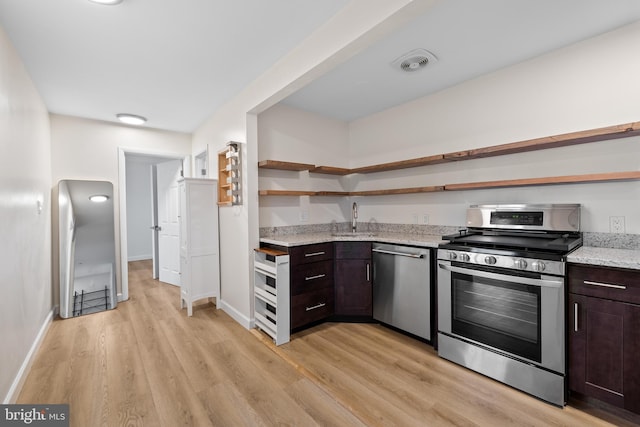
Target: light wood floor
147, 363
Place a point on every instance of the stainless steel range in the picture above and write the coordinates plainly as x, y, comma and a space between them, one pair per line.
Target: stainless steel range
501, 294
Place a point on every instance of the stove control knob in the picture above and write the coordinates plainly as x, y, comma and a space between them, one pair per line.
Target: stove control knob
453, 255
490, 260
538, 265
464, 257
520, 263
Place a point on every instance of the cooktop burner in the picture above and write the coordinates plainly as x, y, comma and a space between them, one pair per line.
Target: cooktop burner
515, 242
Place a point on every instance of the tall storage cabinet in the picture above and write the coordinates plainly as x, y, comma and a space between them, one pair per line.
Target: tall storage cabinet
199, 241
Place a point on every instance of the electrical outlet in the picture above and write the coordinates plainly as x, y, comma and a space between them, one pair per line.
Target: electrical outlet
415, 218
425, 218
616, 224
304, 215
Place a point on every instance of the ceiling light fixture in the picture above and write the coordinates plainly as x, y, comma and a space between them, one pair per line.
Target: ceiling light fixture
106, 2
99, 198
131, 119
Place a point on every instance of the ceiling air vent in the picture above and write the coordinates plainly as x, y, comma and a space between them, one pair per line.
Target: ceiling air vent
415, 60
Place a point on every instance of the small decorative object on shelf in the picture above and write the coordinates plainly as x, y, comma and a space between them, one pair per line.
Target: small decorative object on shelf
229, 175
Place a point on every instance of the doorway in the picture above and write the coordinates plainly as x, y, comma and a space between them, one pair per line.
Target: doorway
141, 234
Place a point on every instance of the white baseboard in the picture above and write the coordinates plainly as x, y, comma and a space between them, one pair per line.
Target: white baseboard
20, 378
139, 257
235, 314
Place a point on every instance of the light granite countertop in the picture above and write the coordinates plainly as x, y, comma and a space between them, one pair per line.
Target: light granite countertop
592, 255
422, 240
622, 258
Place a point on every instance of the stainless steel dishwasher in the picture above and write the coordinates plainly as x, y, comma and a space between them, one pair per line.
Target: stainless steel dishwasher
402, 288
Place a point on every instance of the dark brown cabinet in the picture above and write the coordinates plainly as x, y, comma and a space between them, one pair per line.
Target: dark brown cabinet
353, 291
311, 283
604, 334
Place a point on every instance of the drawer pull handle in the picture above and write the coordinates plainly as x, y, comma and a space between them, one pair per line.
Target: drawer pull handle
575, 317
314, 254
604, 285
319, 276
322, 304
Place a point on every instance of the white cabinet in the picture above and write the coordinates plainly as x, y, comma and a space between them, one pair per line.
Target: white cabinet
199, 247
271, 293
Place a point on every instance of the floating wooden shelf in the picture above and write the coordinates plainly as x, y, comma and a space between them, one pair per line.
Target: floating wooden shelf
563, 140
402, 164
568, 179
431, 189
286, 193
301, 193
330, 170
332, 193
572, 138
286, 166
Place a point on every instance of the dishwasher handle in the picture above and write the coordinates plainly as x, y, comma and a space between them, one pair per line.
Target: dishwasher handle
382, 251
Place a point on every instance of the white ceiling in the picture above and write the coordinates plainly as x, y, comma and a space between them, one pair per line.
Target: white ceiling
85, 211
175, 62
469, 38
172, 61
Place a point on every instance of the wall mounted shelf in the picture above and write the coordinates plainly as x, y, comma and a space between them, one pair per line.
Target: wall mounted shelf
411, 190
573, 138
567, 179
229, 179
302, 193
331, 170
285, 166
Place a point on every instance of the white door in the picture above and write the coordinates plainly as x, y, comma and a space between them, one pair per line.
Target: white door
154, 222
168, 174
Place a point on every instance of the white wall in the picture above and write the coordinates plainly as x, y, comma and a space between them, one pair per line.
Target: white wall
342, 36
88, 149
552, 94
25, 231
289, 134
139, 217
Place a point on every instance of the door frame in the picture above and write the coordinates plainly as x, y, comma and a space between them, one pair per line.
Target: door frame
122, 196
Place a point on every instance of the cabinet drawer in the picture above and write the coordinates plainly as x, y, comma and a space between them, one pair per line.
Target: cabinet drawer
311, 306
311, 277
605, 282
352, 250
311, 253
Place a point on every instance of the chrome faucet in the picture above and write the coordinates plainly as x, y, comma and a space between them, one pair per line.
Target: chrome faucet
354, 217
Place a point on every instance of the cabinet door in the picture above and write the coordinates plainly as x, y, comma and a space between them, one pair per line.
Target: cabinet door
631, 357
596, 348
353, 287
311, 307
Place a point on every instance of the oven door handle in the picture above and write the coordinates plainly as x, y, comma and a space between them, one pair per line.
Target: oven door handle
554, 283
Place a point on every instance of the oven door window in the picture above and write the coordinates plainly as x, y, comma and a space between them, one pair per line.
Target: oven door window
501, 314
